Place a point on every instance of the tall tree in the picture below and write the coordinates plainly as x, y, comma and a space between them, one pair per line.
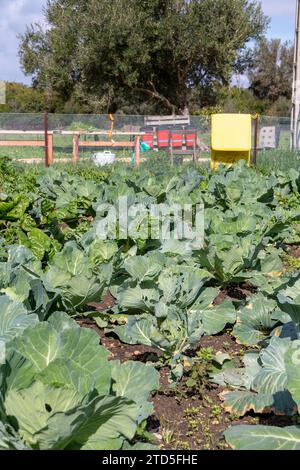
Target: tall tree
271, 74
161, 52
24, 99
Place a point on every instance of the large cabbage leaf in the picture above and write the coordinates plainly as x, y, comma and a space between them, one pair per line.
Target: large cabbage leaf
71, 277
263, 437
58, 390
289, 301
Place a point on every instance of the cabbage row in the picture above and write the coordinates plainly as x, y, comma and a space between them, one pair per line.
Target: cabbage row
53, 266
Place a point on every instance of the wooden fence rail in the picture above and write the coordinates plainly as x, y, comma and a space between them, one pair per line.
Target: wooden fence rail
47, 142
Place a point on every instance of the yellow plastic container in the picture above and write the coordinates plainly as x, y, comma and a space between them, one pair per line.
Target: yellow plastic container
231, 136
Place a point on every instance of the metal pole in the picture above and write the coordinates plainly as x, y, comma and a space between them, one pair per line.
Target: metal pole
47, 162
256, 120
296, 85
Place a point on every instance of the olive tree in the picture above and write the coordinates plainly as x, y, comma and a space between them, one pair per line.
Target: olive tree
136, 54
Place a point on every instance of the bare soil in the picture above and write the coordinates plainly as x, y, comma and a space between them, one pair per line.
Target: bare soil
235, 293
294, 251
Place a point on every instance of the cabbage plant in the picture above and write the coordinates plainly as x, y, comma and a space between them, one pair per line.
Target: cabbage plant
59, 391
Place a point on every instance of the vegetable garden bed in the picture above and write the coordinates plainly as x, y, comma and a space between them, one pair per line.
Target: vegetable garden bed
185, 418
182, 419
134, 343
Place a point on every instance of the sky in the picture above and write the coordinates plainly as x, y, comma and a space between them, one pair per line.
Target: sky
16, 14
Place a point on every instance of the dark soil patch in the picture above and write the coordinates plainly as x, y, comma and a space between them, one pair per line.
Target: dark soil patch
223, 342
107, 302
120, 351
294, 251
236, 293
272, 420
192, 423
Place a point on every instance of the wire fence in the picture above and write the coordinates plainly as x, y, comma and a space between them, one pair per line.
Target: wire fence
60, 122
273, 134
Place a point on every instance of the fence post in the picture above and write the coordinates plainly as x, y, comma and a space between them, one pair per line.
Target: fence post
137, 150
75, 148
50, 148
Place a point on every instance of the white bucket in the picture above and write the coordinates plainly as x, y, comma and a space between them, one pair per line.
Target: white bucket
104, 158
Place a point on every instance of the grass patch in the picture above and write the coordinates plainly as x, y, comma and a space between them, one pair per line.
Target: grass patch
277, 160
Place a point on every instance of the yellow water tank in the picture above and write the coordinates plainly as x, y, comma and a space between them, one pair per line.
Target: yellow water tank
231, 137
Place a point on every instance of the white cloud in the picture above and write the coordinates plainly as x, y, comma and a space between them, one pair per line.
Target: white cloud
15, 15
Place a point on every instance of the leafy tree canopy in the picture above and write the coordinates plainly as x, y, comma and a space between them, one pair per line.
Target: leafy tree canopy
272, 72
22, 99
137, 55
